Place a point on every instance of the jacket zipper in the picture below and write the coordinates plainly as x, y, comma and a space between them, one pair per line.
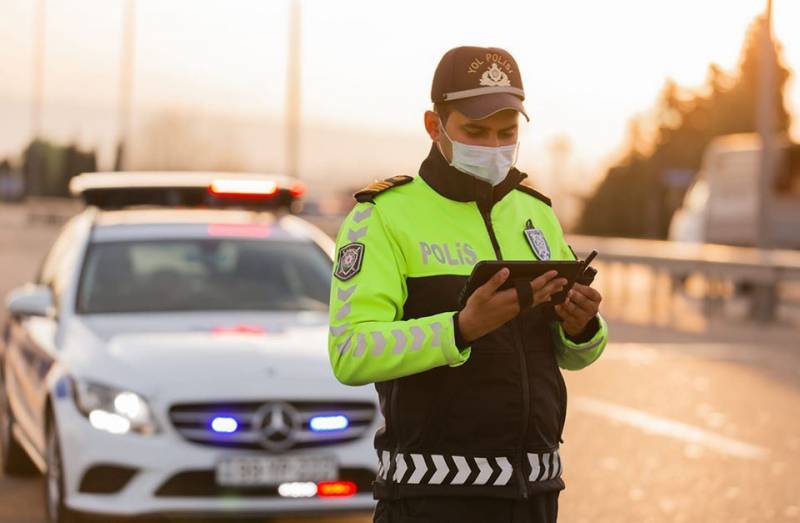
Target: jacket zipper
526, 400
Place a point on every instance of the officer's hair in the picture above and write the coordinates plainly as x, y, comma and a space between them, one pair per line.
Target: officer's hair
443, 109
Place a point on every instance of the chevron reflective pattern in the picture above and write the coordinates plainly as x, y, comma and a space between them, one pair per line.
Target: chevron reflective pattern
437, 469
545, 466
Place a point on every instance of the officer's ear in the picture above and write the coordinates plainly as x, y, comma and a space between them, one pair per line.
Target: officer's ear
432, 125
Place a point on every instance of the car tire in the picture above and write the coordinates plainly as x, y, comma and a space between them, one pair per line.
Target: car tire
55, 508
15, 461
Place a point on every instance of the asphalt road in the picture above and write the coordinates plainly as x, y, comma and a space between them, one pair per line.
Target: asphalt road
667, 427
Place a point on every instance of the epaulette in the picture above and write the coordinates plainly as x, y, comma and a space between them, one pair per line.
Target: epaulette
533, 192
368, 193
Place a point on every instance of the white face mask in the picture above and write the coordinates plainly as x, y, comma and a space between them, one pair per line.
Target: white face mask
490, 164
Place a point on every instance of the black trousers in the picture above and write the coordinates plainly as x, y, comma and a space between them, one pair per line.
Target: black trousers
542, 508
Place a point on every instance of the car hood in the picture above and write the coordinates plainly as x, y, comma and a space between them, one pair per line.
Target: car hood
196, 357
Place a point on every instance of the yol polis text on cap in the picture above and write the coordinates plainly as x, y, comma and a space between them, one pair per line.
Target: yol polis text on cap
478, 82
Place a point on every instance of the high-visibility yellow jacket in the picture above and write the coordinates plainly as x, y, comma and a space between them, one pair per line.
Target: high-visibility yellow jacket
484, 419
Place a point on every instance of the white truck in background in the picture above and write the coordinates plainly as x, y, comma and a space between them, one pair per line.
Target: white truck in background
722, 205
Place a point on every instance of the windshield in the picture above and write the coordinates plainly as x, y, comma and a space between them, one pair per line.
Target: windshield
204, 274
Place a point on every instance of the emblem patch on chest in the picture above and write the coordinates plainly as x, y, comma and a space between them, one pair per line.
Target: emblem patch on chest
537, 241
348, 263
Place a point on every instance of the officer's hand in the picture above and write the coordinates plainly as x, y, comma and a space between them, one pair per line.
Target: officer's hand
487, 308
581, 305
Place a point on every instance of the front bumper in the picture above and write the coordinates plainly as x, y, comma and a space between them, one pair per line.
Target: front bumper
171, 476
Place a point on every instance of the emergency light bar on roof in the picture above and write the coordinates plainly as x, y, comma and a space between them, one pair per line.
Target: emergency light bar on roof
111, 190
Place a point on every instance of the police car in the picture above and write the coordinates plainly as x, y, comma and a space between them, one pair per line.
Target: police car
171, 357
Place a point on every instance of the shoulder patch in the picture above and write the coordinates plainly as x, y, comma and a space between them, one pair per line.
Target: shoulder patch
368, 193
348, 262
533, 192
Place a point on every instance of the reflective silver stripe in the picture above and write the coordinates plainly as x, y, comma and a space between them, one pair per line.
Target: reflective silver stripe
505, 471
560, 464
400, 468
355, 234
437, 468
341, 329
399, 341
360, 216
344, 311
556, 466
419, 336
437, 337
457, 95
379, 343
546, 463
533, 459
385, 461
463, 470
345, 345
484, 471
420, 468
344, 294
380, 468
441, 469
361, 346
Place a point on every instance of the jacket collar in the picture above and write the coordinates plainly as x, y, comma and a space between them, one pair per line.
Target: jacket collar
461, 187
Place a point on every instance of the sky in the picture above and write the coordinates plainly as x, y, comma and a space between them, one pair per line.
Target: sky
588, 66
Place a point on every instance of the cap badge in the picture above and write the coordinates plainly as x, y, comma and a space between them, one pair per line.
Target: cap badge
495, 77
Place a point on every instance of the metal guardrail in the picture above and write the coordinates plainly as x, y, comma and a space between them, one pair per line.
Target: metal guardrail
767, 266
758, 274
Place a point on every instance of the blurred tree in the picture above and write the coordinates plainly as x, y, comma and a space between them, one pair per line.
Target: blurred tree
639, 195
48, 167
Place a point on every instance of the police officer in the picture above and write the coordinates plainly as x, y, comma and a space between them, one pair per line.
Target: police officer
473, 399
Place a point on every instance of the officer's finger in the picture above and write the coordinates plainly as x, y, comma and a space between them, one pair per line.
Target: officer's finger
542, 280
486, 290
548, 290
589, 292
574, 310
584, 303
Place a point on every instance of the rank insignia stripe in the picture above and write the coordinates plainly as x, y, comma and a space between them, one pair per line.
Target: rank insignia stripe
368, 193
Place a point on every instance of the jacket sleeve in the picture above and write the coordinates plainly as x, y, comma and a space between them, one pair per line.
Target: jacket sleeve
368, 342
572, 355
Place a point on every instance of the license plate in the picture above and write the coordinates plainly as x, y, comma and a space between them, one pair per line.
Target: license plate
270, 471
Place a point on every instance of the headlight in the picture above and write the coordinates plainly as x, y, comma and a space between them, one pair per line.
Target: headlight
114, 410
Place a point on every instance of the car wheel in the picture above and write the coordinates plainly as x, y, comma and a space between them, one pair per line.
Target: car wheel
57, 511
15, 460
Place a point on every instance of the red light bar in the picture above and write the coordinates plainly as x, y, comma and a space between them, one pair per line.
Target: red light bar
297, 190
239, 330
238, 231
336, 489
243, 188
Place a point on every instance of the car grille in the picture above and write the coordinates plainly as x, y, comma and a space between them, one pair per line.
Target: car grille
276, 426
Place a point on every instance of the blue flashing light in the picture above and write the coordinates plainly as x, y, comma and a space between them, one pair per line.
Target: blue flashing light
328, 423
224, 425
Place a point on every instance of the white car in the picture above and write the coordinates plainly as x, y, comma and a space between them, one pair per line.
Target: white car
173, 361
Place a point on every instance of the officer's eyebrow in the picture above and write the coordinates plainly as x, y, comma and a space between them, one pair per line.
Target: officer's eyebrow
478, 127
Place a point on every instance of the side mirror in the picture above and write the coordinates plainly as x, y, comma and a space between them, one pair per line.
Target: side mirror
30, 300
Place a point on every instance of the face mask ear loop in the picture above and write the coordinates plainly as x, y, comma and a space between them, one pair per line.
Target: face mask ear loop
438, 143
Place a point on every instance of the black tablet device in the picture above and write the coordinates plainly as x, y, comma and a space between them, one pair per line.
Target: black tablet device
521, 270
